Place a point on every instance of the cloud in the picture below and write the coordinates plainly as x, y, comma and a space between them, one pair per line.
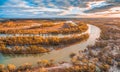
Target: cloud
15, 3
98, 6
113, 1
57, 8
73, 11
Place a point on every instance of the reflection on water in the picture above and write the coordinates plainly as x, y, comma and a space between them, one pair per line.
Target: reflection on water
57, 55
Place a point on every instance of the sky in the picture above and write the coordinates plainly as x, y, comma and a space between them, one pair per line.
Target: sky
59, 8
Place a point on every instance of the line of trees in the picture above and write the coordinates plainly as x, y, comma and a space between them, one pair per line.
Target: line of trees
28, 67
37, 40
12, 24
19, 43
34, 30
32, 49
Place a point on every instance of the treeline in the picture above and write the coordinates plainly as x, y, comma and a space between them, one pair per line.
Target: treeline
71, 30
30, 45
77, 29
42, 26
32, 49
37, 40
28, 67
12, 24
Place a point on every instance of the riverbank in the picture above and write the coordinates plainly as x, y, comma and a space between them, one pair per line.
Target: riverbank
39, 43
57, 55
110, 40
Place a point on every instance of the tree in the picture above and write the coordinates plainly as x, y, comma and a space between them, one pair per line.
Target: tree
42, 69
43, 63
11, 67
25, 66
2, 67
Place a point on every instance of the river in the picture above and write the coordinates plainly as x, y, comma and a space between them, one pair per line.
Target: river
57, 55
